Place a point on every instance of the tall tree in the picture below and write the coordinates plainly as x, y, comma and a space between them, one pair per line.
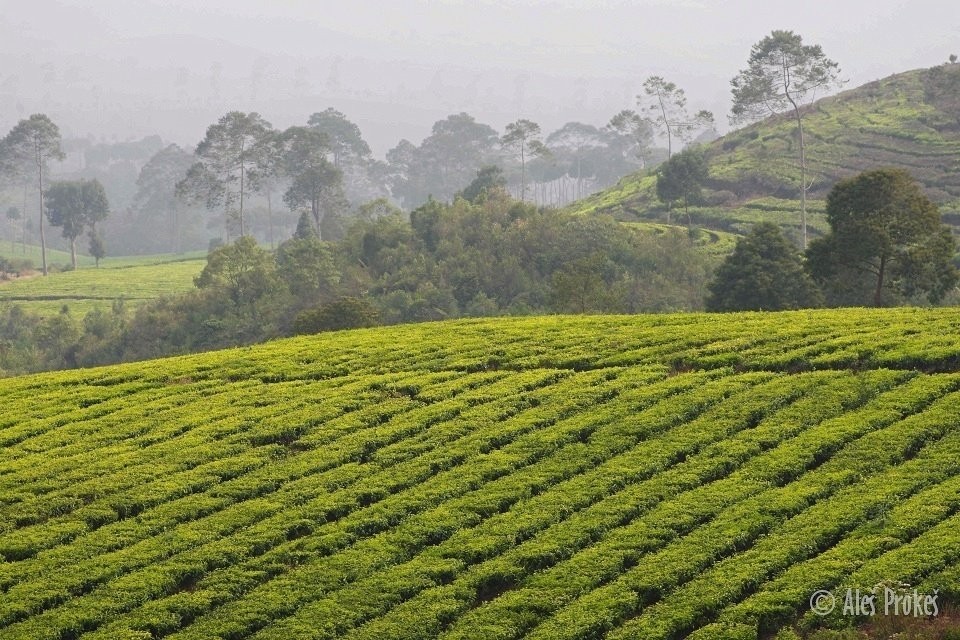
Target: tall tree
156, 192
523, 136
783, 74
346, 141
225, 155
75, 207
29, 146
886, 243
351, 155
444, 162
666, 105
315, 183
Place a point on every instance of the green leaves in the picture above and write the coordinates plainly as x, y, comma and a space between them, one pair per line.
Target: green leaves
886, 243
76, 206
552, 477
764, 272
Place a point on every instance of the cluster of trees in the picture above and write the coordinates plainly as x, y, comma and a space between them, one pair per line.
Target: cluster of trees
549, 170
169, 199
887, 246
74, 206
242, 154
486, 255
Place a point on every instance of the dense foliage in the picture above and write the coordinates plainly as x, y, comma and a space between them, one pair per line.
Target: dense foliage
886, 243
765, 271
629, 477
494, 256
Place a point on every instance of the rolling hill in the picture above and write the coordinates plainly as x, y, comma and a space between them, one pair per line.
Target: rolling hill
562, 477
909, 120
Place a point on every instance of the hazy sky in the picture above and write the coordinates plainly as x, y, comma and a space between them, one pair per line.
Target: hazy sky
123, 68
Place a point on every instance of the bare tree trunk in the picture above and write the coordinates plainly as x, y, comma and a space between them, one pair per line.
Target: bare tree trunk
270, 216
579, 177
666, 125
23, 222
803, 157
73, 253
803, 180
242, 172
43, 240
523, 186
878, 294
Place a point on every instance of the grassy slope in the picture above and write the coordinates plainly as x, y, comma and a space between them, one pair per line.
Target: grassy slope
562, 477
909, 120
132, 278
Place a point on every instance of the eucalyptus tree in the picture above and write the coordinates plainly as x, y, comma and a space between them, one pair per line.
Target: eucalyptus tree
315, 183
523, 138
27, 149
783, 74
224, 158
666, 107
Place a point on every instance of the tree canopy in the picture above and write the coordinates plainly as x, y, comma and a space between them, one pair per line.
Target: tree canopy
764, 272
315, 183
76, 207
224, 157
523, 138
886, 244
666, 107
681, 178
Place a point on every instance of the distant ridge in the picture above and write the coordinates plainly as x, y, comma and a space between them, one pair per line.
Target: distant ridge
909, 120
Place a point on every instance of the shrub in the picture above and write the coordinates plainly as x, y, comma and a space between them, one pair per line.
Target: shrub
343, 313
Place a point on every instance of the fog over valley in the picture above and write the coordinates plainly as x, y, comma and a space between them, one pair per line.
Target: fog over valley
119, 70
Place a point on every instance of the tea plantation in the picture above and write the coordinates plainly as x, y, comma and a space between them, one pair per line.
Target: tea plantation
562, 477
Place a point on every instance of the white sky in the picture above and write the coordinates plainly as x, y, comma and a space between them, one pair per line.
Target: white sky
122, 68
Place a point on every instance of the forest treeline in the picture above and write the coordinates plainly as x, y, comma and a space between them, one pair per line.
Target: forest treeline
165, 198
484, 256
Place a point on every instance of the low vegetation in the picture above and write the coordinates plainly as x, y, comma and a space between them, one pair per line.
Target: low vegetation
562, 477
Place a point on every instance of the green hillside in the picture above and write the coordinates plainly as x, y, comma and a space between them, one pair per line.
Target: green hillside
649, 477
909, 120
133, 279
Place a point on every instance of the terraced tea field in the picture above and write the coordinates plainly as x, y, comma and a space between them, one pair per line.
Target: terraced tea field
564, 477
